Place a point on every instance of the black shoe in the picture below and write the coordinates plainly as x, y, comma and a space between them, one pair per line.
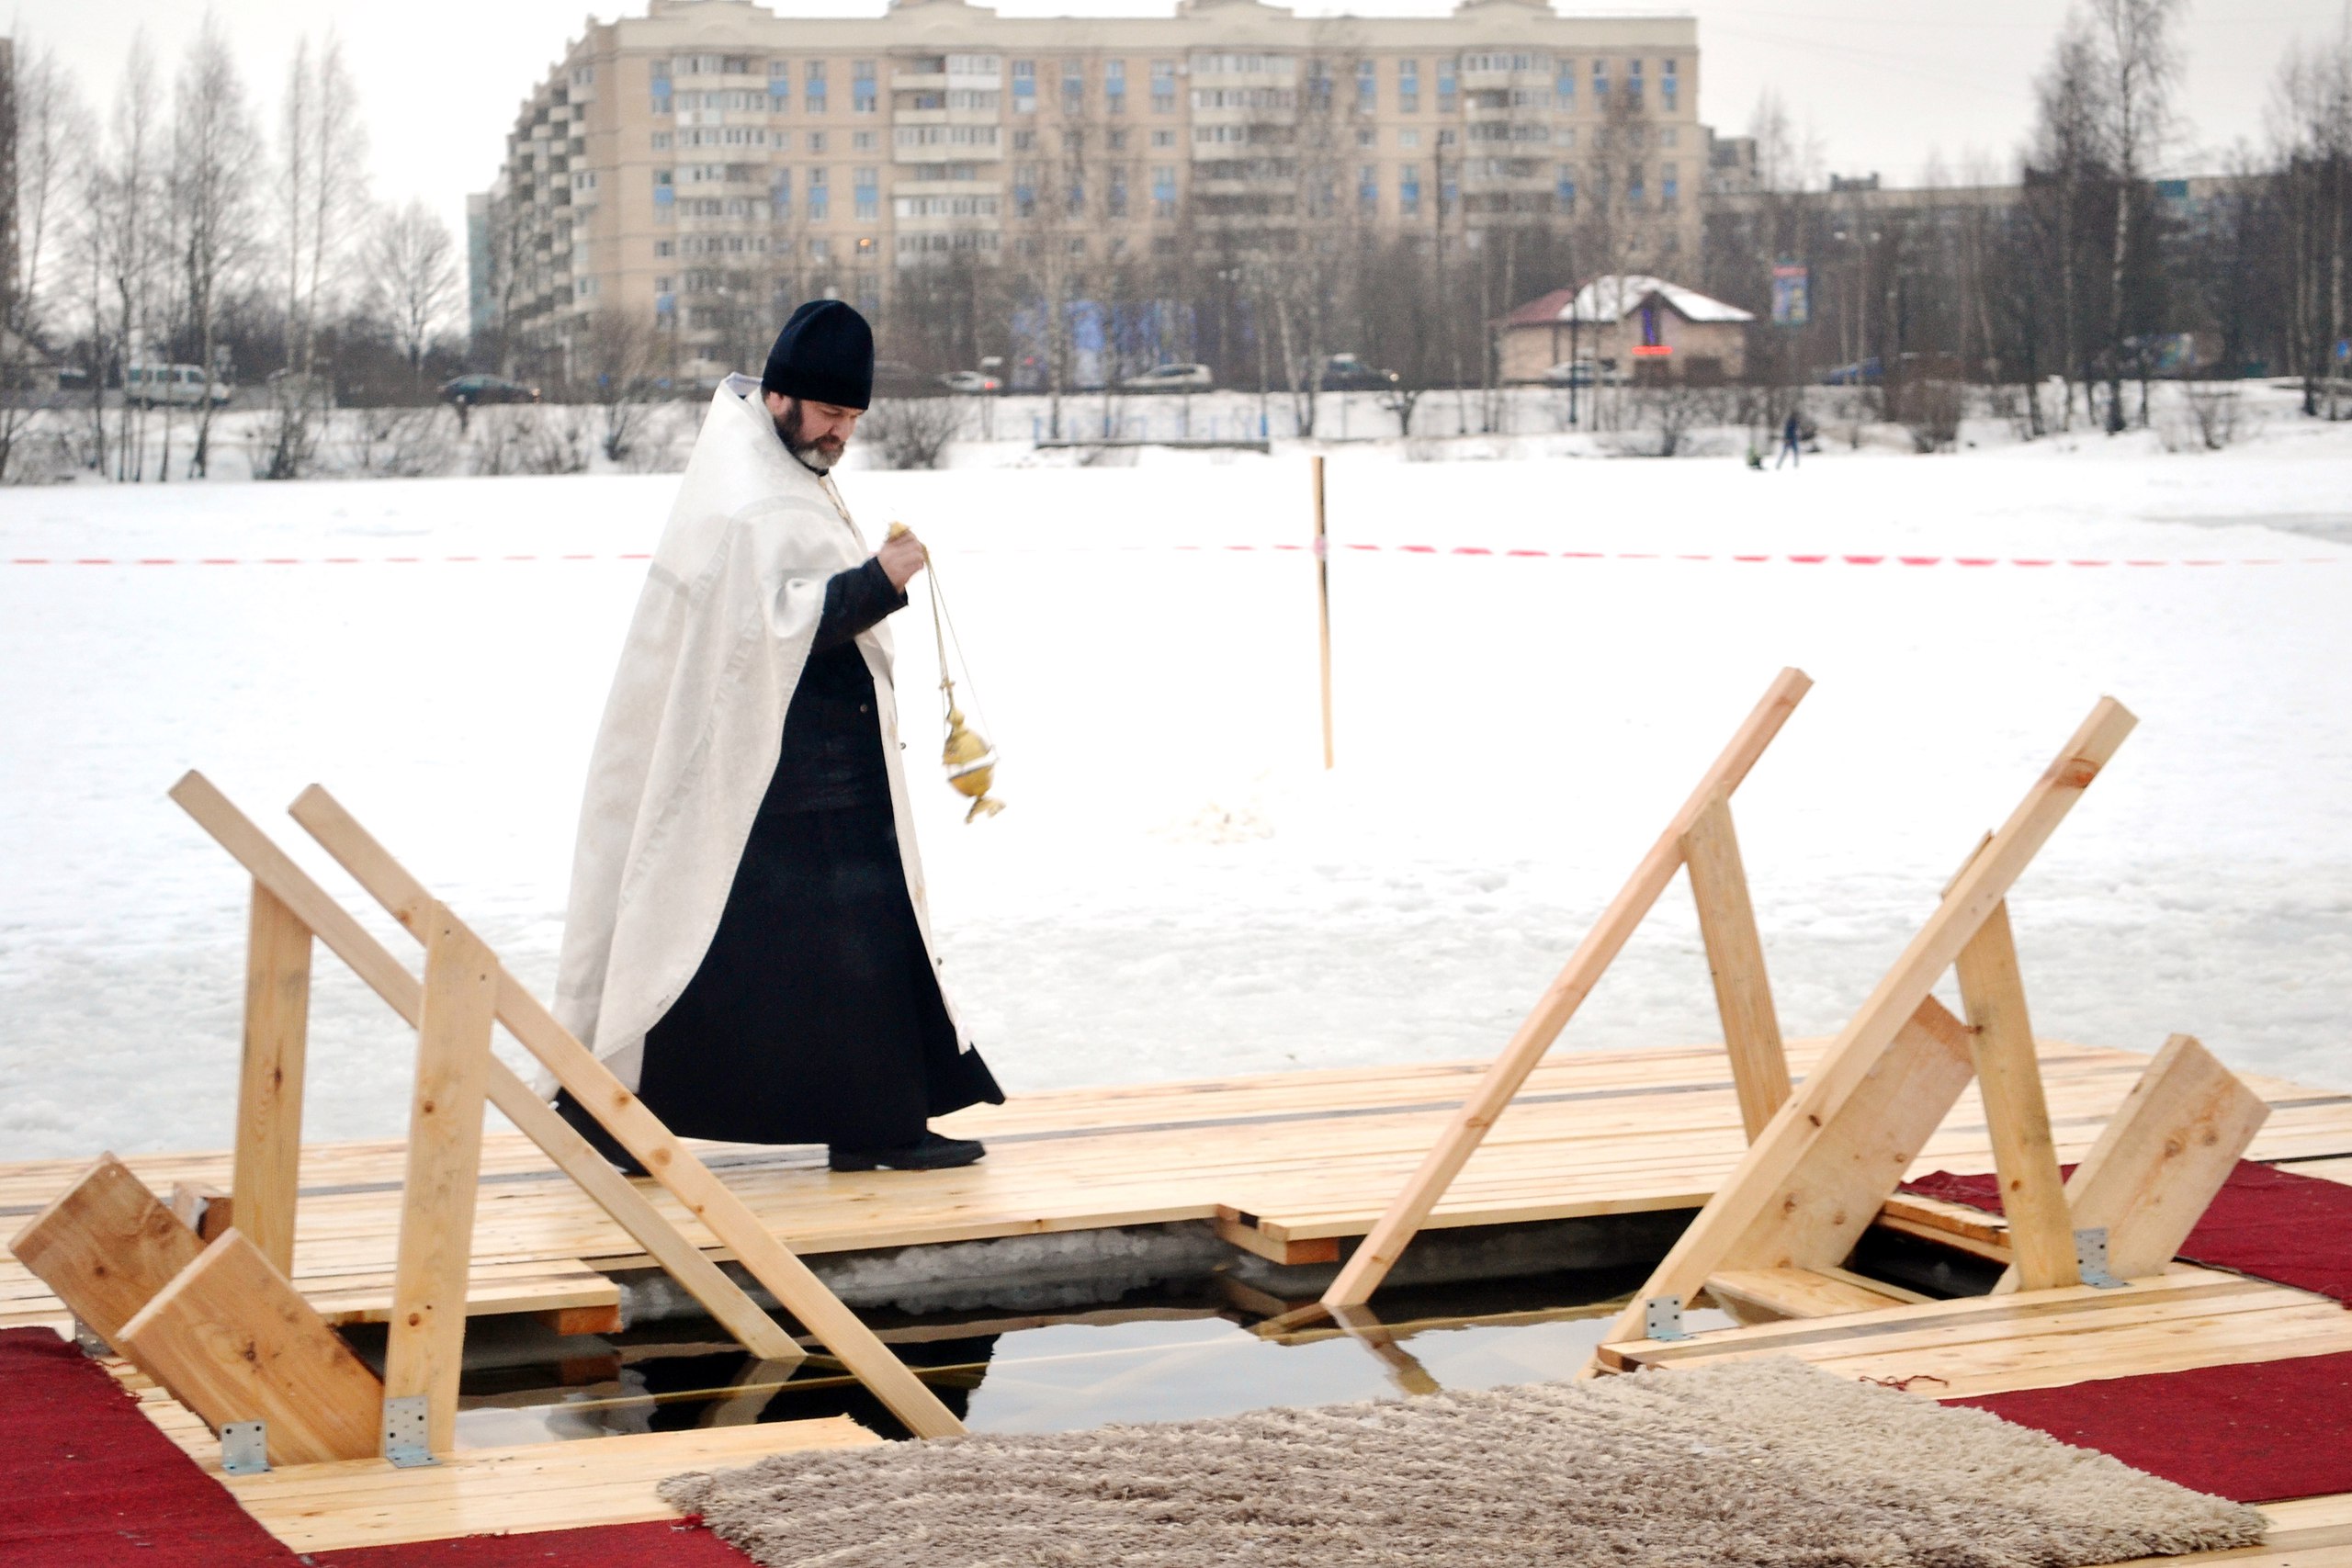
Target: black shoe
930, 1152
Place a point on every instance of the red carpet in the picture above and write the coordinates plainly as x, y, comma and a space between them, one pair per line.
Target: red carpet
2268, 1222
87, 1482
2254, 1433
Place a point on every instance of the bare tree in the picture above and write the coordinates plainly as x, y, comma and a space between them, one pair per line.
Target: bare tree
2141, 66
215, 157
2313, 130
127, 209
621, 356
413, 277
42, 119
321, 197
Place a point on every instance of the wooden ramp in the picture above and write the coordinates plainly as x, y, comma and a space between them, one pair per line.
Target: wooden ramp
1289, 1165
536, 1486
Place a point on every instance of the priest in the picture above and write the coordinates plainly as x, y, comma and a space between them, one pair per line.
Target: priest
747, 944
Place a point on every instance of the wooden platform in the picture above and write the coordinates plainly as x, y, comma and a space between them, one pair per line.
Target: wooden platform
1287, 1164
536, 1486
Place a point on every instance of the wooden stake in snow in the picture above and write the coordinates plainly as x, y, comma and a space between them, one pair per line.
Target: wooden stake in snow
1323, 606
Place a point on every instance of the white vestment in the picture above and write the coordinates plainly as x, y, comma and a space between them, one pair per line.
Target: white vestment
695, 723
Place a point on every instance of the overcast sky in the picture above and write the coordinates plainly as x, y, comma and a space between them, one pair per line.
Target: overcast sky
1884, 85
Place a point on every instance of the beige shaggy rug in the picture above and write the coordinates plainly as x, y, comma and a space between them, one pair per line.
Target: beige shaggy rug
1757, 1462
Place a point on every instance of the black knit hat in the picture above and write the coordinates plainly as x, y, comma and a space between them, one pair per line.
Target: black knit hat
825, 354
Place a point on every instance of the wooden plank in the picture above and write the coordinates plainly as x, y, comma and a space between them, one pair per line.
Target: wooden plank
425, 1350
2161, 1159
1371, 1262
269, 1077
1856, 1158
233, 1341
106, 1247
1760, 1061
641, 1133
367, 958
1763, 1174
2009, 1075
202, 1208
1755, 1295
1245, 1235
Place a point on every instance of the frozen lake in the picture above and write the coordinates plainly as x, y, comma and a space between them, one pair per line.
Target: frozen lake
1179, 888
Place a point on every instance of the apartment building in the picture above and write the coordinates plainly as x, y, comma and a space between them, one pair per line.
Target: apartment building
705, 165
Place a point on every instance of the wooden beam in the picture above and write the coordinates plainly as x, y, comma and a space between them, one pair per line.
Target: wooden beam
367, 958
1761, 1177
638, 1129
1767, 1295
425, 1350
2160, 1160
1759, 1063
1410, 1209
2017, 1112
232, 1341
269, 1079
105, 1247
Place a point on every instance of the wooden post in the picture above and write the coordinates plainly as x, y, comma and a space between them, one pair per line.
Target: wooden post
1759, 1063
367, 957
2017, 1113
638, 1131
266, 1169
426, 1348
1379, 1251
1761, 1178
1323, 606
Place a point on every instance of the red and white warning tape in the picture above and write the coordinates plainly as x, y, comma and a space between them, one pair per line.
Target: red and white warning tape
1791, 559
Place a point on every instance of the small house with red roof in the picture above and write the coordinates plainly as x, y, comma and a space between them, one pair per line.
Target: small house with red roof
1628, 324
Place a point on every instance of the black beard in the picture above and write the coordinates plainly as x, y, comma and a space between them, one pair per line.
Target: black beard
814, 456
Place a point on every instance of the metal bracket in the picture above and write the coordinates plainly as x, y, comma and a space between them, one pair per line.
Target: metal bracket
244, 1447
406, 1424
2090, 1258
1662, 1318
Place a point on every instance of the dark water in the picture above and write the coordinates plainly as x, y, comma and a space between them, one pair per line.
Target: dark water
1168, 1355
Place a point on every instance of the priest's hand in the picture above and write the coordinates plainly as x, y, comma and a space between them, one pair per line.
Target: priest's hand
901, 555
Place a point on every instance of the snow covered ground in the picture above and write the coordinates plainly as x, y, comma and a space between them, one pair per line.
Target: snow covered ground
1180, 888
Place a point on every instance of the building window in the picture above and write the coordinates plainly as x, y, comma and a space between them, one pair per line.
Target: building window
1025, 87
868, 190
664, 248
1367, 87
780, 195
1368, 189
1408, 137
819, 197
1025, 142
1368, 137
1634, 83
780, 86
1163, 87
1565, 136
1601, 84
1408, 190
661, 141
1445, 88
816, 141
1564, 187
1073, 86
860, 142
663, 192
1116, 197
1118, 141
1163, 191
863, 93
1114, 85
1669, 185
1408, 86
1163, 139
1636, 191
1024, 190
813, 91
1670, 86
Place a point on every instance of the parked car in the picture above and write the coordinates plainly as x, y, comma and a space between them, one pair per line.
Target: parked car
470, 391
1586, 371
179, 386
1862, 373
1170, 379
896, 378
973, 381
1347, 373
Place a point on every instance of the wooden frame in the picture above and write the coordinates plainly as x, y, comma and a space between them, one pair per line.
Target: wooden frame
638, 1131
1838, 1147
1734, 953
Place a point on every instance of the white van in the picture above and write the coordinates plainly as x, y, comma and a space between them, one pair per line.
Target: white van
182, 386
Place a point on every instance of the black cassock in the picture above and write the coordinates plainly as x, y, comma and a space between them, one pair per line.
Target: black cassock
815, 1016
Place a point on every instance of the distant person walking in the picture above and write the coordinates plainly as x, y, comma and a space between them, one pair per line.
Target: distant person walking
1791, 435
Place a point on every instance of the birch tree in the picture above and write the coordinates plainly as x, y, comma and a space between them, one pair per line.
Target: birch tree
322, 198
41, 120
215, 165
411, 278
